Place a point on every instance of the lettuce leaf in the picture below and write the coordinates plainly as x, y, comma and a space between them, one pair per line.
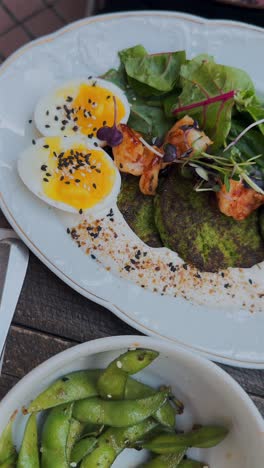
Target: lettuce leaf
247, 101
151, 75
202, 78
147, 115
252, 142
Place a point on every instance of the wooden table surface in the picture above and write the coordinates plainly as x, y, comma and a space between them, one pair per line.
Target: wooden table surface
51, 317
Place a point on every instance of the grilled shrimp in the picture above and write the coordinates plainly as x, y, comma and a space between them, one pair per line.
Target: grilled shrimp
240, 201
133, 157
150, 176
186, 135
129, 155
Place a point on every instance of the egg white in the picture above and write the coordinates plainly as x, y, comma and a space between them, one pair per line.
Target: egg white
46, 112
29, 169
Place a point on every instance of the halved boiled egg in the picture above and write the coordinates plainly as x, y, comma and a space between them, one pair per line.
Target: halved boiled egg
81, 107
70, 174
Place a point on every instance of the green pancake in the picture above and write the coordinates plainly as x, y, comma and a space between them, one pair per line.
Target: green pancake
138, 211
191, 224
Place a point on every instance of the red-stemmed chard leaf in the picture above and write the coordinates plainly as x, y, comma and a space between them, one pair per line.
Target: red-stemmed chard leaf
206, 102
209, 93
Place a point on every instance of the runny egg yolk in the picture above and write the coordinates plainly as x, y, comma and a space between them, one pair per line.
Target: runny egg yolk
93, 108
79, 177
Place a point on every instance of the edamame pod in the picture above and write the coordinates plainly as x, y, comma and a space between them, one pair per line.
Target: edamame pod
70, 387
82, 448
192, 464
118, 413
204, 437
168, 460
134, 389
92, 430
54, 437
7, 449
75, 431
114, 441
82, 384
10, 462
112, 381
28, 455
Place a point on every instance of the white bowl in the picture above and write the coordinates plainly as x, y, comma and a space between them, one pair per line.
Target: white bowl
210, 396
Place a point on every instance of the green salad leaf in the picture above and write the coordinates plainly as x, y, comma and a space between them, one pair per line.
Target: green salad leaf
247, 101
151, 121
132, 52
164, 87
252, 143
152, 75
202, 79
147, 115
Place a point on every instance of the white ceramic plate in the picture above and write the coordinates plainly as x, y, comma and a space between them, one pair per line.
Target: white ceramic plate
88, 47
210, 396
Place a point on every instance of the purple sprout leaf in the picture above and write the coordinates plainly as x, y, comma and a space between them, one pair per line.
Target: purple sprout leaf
112, 135
170, 153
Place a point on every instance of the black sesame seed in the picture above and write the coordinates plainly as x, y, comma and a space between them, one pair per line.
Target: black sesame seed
30, 121
121, 166
93, 256
62, 177
68, 230
93, 167
104, 122
62, 128
94, 129
47, 112
33, 142
75, 119
67, 183
90, 135
197, 275
95, 144
47, 126
56, 118
48, 174
43, 167
58, 107
75, 128
94, 83
108, 97
98, 170
77, 180
94, 186
64, 122
90, 77
69, 99
111, 213
46, 146
45, 179
250, 281
89, 101
80, 211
